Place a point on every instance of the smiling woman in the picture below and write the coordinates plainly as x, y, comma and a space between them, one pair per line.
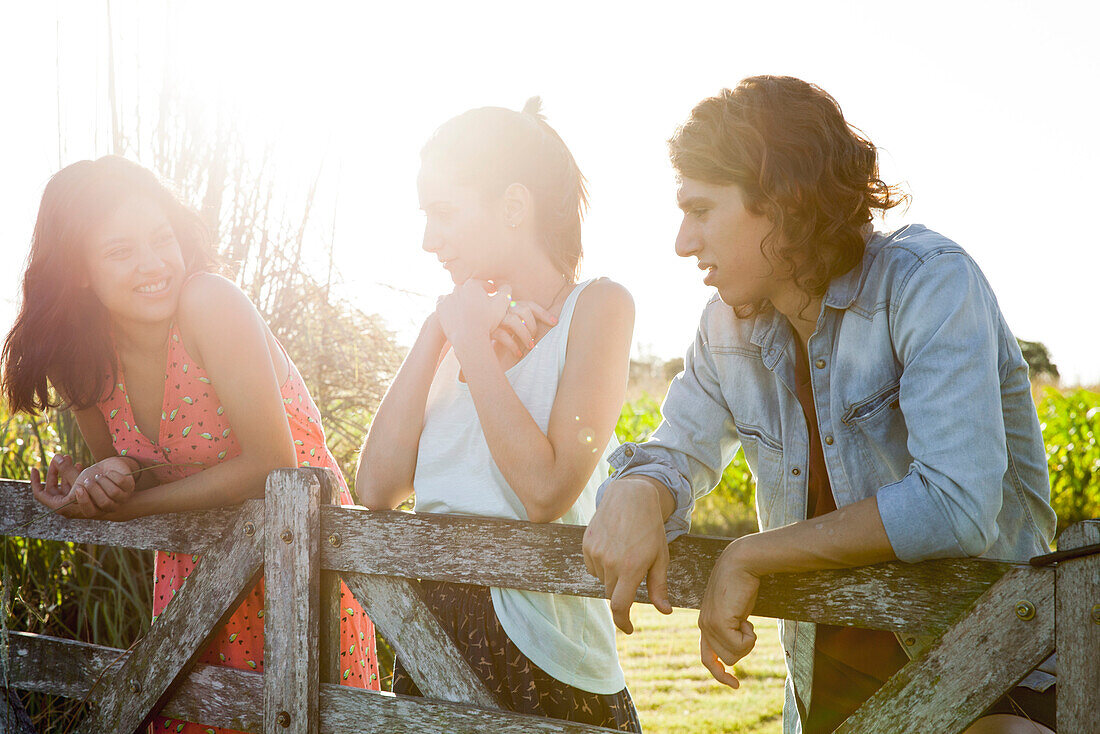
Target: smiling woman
173, 376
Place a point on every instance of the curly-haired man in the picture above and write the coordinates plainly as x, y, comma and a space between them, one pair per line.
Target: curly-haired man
872, 382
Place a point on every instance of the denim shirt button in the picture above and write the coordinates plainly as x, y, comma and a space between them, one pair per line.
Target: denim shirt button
829, 440
628, 452
820, 364
796, 471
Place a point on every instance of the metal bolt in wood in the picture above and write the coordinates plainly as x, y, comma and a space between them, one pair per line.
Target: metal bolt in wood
1025, 610
283, 719
334, 540
286, 536
1095, 613
249, 529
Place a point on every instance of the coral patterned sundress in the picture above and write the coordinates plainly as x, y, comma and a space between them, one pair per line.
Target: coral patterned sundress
193, 432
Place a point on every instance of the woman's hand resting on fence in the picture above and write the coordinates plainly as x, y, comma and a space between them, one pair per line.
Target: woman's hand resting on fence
61, 474
100, 491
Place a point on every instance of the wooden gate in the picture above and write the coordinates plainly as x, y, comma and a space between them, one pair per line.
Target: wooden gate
994, 621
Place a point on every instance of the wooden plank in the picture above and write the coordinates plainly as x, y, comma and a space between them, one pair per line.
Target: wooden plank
899, 597
433, 661
181, 532
1078, 631
328, 603
220, 696
292, 582
225, 573
346, 709
975, 662
211, 694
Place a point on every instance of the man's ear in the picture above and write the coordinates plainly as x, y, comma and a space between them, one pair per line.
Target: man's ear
518, 205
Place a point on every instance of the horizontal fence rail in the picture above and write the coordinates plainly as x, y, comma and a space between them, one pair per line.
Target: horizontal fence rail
380, 555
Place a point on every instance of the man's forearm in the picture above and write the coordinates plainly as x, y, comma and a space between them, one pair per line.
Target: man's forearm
848, 537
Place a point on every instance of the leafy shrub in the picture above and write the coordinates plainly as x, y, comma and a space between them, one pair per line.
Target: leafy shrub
1071, 425
729, 509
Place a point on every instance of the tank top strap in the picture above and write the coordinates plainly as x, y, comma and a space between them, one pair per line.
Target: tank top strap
565, 319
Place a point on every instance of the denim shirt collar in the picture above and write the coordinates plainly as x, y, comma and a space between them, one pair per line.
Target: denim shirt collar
771, 331
844, 289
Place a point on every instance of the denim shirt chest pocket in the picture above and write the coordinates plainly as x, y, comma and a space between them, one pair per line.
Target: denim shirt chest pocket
879, 431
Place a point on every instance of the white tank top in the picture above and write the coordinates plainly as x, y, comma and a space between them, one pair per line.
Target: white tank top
571, 638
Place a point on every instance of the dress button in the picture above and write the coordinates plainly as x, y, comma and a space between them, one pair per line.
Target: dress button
829, 440
629, 452
820, 364
796, 471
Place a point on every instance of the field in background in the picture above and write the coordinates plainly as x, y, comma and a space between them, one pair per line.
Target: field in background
675, 694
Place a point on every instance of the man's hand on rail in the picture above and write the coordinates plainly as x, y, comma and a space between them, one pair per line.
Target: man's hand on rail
625, 544
726, 634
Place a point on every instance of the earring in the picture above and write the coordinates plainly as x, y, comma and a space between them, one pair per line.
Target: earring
514, 225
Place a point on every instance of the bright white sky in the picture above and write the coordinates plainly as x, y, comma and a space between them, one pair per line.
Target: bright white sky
986, 111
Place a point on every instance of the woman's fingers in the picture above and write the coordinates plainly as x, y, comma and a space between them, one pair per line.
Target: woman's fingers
96, 492
509, 340
84, 506
115, 486
38, 489
520, 328
52, 472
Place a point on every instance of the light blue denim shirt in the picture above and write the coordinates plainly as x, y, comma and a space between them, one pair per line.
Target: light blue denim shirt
922, 398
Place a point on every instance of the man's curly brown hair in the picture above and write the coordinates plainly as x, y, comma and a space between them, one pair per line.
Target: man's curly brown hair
786, 144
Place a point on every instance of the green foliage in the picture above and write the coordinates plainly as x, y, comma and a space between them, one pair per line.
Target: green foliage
1071, 425
729, 509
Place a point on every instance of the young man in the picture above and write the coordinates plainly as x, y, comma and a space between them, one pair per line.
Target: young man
857, 370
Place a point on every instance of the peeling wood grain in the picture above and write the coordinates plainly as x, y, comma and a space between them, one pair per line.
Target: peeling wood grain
211, 694
292, 583
433, 661
975, 662
329, 601
181, 532
547, 557
225, 573
1078, 631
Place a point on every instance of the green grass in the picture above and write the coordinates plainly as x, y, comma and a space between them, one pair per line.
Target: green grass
675, 694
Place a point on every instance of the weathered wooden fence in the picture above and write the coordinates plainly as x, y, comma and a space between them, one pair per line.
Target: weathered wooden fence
994, 621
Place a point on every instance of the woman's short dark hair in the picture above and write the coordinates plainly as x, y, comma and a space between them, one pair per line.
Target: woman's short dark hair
491, 148
786, 145
61, 338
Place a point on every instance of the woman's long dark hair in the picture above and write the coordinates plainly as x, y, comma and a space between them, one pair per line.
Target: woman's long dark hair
61, 338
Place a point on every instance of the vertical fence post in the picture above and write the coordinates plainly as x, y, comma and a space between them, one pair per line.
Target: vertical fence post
1077, 632
329, 602
291, 594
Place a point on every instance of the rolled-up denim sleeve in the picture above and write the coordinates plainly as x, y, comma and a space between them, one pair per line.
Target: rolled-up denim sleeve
693, 444
946, 330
